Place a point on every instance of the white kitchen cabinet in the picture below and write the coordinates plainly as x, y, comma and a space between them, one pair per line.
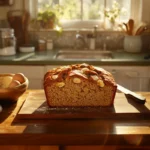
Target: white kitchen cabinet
133, 78
35, 74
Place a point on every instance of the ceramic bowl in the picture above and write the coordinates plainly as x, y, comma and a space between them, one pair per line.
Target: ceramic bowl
12, 93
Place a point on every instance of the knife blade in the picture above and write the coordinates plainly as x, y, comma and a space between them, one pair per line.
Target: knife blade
138, 98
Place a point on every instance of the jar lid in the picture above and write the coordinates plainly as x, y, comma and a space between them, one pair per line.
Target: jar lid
41, 41
49, 40
6, 32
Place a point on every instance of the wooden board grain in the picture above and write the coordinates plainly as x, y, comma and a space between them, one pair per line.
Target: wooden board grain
35, 107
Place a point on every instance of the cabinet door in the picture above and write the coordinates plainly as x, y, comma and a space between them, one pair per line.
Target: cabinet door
34, 74
133, 78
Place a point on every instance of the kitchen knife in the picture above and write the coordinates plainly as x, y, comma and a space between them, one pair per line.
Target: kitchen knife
138, 98
1, 108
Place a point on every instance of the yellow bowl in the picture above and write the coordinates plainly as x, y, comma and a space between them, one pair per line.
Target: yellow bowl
13, 93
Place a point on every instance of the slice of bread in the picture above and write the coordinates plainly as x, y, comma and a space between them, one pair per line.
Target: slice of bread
79, 85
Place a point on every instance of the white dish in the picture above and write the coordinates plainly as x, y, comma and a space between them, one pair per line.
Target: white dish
27, 49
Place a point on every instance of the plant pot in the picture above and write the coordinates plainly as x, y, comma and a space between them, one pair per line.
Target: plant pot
47, 25
132, 44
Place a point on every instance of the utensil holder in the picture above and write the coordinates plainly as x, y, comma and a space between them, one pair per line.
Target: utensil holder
132, 44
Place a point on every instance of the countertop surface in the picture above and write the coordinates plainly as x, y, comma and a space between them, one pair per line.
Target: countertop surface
48, 58
133, 132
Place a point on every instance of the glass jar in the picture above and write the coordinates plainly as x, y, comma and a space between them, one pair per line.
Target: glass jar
41, 45
7, 42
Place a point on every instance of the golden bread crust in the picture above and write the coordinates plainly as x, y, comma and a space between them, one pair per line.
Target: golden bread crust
79, 85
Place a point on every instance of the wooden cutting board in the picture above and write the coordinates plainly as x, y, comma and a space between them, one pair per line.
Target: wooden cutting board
35, 107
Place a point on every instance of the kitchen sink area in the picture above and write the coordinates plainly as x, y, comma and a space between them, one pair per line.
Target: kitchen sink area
83, 54
71, 55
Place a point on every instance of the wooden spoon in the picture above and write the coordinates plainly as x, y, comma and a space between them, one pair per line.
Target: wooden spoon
131, 26
140, 30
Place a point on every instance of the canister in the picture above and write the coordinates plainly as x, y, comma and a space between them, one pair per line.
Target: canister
41, 45
7, 41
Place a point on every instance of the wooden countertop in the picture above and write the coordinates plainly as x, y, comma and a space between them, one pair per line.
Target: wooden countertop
72, 132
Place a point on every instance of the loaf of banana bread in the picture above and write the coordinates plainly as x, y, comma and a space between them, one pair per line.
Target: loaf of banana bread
79, 85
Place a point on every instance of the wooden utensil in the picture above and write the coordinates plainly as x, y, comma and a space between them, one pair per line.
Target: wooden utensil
130, 26
126, 26
140, 30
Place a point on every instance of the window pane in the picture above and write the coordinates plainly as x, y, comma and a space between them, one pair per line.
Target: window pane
92, 9
42, 3
71, 9
123, 5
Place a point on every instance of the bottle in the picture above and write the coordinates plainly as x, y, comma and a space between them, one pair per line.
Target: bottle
49, 44
91, 41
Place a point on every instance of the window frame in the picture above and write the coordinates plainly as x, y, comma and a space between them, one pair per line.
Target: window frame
136, 13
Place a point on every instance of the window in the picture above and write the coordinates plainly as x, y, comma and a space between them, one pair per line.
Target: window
86, 13
88, 9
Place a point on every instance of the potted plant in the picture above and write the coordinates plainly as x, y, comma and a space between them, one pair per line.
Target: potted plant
48, 16
46, 19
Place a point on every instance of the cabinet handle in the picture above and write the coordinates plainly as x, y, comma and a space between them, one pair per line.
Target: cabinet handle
132, 74
114, 71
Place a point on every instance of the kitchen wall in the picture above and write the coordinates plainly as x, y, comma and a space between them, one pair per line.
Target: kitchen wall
145, 15
18, 4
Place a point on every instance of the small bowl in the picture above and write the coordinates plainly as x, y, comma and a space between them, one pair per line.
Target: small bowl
13, 93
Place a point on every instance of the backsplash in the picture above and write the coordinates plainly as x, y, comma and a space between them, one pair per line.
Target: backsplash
3, 23
66, 39
109, 40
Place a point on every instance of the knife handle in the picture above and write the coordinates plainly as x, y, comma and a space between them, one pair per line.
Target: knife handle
137, 97
1, 108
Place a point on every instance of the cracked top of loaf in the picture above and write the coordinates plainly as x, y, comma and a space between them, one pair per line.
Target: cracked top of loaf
80, 71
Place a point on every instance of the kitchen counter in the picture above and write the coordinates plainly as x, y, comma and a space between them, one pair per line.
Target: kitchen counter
109, 132
130, 70
47, 58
